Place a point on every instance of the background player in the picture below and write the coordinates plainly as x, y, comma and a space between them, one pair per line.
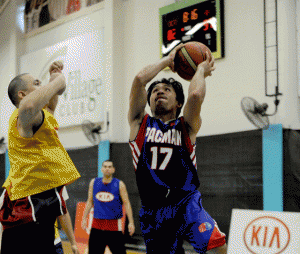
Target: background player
106, 195
39, 166
163, 149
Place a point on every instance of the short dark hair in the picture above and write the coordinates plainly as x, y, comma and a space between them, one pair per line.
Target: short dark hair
108, 161
16, 85
177, 87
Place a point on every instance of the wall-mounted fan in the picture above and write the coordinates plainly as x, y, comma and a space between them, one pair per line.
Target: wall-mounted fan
256, 113
93, 131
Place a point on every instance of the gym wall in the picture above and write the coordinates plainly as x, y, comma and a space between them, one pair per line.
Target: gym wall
132, 42
86, 162
291, 170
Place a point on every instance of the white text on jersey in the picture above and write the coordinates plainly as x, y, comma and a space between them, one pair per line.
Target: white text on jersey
157, 136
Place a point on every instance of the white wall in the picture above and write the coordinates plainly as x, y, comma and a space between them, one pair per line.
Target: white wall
132, 42
8, 54
239, 74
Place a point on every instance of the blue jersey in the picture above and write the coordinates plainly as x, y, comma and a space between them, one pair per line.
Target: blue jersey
107, 199
164, 160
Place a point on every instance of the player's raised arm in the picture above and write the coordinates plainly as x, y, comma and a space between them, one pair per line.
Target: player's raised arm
56, 67
32, 104
196, 94
138, 94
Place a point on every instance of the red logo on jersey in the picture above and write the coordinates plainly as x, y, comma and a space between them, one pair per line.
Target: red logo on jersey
204, 227
104, 196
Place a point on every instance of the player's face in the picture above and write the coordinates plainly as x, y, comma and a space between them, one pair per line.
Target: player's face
163, 99
107, 169
32, 84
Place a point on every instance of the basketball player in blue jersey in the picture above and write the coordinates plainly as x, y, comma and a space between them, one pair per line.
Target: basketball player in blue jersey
163, 149
106, 195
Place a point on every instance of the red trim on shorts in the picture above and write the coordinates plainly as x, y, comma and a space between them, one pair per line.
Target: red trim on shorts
19, 211
217, 239
15, 213
106, 225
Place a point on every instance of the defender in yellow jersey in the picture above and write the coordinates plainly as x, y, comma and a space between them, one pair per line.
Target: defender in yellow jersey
40, 166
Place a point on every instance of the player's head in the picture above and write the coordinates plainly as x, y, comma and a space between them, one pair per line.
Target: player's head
107, 168
21, 86
161, 89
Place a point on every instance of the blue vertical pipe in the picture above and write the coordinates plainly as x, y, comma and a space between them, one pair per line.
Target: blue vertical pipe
7, 164
273, 168
103, 154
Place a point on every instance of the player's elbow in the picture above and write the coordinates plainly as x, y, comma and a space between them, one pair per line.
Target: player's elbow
142, 78
197, 96
139, 78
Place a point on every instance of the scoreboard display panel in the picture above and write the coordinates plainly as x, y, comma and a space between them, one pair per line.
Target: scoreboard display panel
193, 20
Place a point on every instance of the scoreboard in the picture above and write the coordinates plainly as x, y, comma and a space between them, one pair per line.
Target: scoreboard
192, 20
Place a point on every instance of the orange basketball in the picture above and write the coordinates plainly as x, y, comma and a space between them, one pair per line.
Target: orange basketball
189, 57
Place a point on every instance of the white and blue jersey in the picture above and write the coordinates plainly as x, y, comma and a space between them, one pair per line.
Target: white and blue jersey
107, 199
164, 160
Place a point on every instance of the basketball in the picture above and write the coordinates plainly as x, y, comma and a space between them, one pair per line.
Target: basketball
189, 57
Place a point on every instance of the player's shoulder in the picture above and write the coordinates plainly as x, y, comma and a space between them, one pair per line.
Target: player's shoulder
121, 184
92, 181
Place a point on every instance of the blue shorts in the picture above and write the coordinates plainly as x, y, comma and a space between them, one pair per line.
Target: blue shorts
165, 228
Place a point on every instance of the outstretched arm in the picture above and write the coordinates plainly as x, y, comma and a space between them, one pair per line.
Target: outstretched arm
126, 202
196, 94
138, 94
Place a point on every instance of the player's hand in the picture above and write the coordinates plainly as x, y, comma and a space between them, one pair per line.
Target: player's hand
131, 228
56, 67
84, 224
172, 55
207, 65
75, 249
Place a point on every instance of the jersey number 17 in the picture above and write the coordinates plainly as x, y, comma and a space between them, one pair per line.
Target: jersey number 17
162, 151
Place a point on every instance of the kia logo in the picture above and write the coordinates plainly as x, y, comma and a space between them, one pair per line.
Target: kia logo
104, 196
266, 234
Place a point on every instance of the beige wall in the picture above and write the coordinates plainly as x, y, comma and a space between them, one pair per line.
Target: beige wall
132, 42
240, 73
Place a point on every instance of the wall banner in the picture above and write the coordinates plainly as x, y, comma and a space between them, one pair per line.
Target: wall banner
86, 95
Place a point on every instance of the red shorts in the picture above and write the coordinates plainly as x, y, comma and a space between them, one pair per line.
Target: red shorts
39, 207
107, 225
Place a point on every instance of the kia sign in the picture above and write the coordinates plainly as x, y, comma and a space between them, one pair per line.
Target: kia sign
253, 231
267, 232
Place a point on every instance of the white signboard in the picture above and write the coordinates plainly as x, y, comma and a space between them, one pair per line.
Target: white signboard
253, 231
86, 95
